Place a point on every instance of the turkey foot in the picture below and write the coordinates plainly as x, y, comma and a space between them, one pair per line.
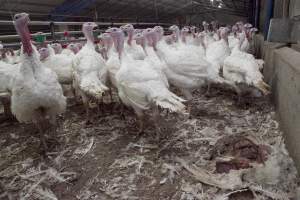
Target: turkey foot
122, 112
141, 124
88, 119
141, 127
207, 93
8, 116
156, 118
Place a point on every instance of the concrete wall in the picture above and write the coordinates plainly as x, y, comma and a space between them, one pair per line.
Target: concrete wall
296, 47
286, 86
294, 8
282, 72
269, 49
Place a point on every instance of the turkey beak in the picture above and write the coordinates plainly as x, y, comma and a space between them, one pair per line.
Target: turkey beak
95, 25
263, 87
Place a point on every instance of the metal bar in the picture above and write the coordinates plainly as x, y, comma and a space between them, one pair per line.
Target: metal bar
270, 7
257, 13
41, 14
47, 23
18, 44
31, 4
52, 29
2, 37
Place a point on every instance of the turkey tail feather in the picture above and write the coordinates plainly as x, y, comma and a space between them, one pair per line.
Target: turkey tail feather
173, 103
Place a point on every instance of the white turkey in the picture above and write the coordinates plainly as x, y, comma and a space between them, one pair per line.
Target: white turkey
237, 51
90, 72
215, 29
233, 40
185, 70
190, 42
139, 86
208, 36
57, 48
37, 97
61, 64
217, 51
79, 45
71, 50
243, 28
113, 62
252, 40
243, 69
8, 72
106, 44
188, 36
130, 46
10, 57
148, 42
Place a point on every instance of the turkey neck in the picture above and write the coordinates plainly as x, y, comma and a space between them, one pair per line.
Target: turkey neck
202, 42
183, 37
119, 43
225, 38
176, 33
130, 37
152, 41
205, 29
89, 36
24, 33
142, 42
108, 44
241, 42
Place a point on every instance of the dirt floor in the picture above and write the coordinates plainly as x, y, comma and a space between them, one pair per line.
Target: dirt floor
222, 151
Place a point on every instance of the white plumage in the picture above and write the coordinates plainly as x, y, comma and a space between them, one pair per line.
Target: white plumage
61, 64
36, 93
241, 67
36, 89
130, 47
90, 71
139, 85
217, 51
7, 74
185, 69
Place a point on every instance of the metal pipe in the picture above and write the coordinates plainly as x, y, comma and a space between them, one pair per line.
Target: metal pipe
270, 7
257, 13
18, 44
47, 23
5, 37
52, 29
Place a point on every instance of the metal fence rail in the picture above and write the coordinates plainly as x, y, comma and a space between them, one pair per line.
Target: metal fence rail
53, 34
48, 23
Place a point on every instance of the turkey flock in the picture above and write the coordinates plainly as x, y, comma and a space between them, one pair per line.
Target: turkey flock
148, 69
